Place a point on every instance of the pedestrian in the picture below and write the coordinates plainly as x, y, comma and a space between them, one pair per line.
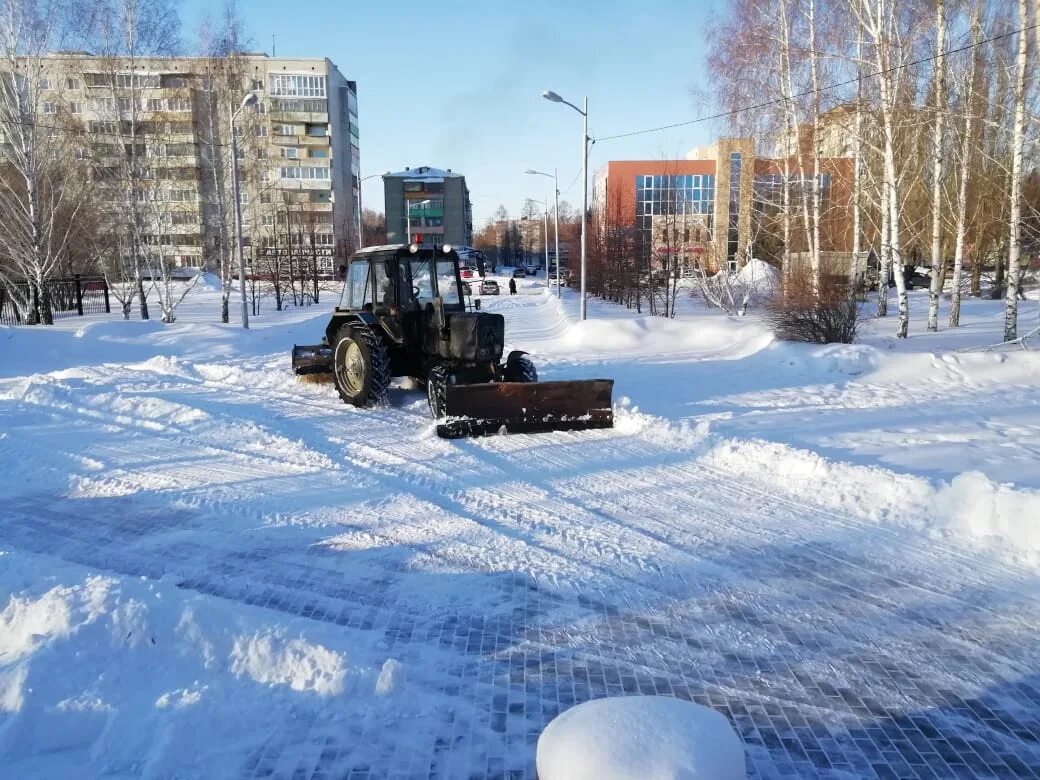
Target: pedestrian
512, 286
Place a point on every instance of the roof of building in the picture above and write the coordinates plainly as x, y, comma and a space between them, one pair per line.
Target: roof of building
424, 172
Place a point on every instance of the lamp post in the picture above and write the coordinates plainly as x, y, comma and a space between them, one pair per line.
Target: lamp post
360, 227
556, 189
408, 213
553, 97
250, 99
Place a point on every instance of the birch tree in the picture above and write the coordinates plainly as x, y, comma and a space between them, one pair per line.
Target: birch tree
41, 189
1017, 140
964, 166
935, 287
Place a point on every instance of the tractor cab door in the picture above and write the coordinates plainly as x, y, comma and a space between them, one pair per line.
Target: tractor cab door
417, 293
385, 284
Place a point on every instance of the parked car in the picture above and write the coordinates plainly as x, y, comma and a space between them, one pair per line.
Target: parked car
467, 273
489, 287
467, 289
519, 273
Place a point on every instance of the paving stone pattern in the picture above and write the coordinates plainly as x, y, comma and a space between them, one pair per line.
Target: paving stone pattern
828, 664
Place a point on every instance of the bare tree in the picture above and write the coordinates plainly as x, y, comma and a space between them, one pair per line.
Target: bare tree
935, 287
1017, 141
964, 165
41, 191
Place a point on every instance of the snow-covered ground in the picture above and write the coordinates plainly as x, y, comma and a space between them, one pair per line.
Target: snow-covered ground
209, 569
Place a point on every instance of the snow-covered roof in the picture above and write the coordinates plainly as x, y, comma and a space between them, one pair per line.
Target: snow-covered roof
424, 172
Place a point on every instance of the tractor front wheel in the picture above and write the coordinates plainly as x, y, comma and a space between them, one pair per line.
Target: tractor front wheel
360, 366
436, 390
519, 368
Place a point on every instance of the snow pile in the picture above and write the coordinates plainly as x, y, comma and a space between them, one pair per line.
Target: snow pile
758, 278
105, 676
640, 738
973, 505
271, 659
663, 336
970, 506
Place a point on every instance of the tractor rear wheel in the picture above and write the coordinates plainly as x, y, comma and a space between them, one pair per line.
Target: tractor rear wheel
436, 390
360, 366
519, 368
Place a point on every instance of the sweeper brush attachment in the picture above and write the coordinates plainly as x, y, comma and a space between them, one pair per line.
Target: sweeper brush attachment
525, 407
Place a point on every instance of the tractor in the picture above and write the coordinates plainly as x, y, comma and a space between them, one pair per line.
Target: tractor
402, 314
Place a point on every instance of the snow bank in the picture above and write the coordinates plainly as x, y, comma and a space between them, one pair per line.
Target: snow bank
640, 738
104, 676
970, 506
728, 340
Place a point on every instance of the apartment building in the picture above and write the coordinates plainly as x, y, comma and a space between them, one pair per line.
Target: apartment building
298, 152
430, 202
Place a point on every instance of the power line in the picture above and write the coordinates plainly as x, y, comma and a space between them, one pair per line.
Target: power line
825, 88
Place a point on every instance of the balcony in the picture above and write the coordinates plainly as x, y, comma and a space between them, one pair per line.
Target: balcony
315, 117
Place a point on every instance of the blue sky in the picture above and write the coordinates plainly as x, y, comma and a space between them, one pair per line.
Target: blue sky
457, 84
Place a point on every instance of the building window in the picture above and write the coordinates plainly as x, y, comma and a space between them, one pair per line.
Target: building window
171, 81
49, 107
733, 234
258, 85
290, 151
317, 131
260, 131
283, 129
180, 104
45, 84
319, 153
293, 85
313, 173
265, 197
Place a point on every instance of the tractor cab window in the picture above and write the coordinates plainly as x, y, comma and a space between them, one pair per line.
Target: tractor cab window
357, 283
447, 283
422, 282
382, 286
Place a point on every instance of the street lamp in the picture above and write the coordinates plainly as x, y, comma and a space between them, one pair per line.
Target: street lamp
360, 228
250, 99
556, 189
408, 212
553, 97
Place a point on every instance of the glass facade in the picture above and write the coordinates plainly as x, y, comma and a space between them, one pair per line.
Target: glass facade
736, 164
681, 195
769, 188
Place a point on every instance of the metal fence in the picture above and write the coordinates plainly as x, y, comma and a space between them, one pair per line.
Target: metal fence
64, 297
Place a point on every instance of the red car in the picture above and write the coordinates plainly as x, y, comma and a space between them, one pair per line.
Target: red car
467, 273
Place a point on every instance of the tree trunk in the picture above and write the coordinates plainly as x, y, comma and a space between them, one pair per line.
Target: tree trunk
1017, 139
965, 168
935, 287
885, 260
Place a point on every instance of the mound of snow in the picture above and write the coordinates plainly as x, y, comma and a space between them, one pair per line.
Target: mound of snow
640, 737
970, 506
759, 277
659, 335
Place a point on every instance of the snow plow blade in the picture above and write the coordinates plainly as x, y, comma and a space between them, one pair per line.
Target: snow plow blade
314, 359
526, 407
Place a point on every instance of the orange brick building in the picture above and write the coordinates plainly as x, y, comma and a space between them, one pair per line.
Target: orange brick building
713, 207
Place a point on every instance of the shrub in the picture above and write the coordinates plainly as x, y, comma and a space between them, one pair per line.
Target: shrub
827, 317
